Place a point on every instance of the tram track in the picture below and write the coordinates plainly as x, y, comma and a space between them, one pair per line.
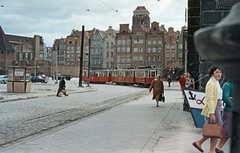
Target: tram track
14, 132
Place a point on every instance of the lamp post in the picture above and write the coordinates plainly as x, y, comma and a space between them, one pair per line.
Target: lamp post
56, 64
89, 52
81, 59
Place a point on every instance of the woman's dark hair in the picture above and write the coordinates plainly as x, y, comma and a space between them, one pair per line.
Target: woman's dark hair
212, 69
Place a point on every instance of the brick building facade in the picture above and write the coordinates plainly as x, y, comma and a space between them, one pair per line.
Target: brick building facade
6, 53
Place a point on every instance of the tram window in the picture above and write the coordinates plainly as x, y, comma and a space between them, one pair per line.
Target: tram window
153, 74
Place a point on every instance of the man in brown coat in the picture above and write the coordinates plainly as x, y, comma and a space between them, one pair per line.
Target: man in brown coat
158, 89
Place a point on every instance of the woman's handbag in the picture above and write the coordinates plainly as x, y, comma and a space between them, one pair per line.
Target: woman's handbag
163, 99
212, 130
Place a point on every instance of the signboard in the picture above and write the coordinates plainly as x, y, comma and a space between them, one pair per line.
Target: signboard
196, 101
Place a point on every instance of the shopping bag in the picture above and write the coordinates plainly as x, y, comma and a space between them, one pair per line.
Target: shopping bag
163, 99
64, 91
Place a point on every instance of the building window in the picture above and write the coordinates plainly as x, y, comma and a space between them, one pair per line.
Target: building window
180, 46
154, 42
159, 58
154, 58
112, 45
68, 47
149, 50
135, 58
167, 55
123, 42
159, 49
128, 49
92, 52
138, 34
118, 49
135, 49
173, 46
107, 54
107, 44
111, 54
149, 58
172, 55
123, 49
149, 42
167, 46
154, 50
119, 42
128, 42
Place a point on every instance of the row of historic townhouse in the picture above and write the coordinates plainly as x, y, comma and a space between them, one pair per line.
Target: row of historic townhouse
146, 44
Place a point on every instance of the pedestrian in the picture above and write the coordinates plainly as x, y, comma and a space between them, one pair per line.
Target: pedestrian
212, 107
169, 80
182, 82
158, 89
190, 83
227, 114
62, 86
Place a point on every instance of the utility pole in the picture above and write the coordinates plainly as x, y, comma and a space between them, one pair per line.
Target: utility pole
56, 49
89, 52
81, 59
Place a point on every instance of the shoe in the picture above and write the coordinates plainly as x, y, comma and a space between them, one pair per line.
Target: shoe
66, 94
196, 146
218, 150
58, 95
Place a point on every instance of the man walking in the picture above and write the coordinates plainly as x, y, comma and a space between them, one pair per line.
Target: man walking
62, 86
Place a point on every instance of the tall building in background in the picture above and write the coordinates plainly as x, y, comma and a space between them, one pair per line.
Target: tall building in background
109, 49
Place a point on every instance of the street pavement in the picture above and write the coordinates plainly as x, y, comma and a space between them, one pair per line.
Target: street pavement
134, 127
39, 90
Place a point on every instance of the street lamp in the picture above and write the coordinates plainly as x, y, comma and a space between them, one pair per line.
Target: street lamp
89, 52
56, 49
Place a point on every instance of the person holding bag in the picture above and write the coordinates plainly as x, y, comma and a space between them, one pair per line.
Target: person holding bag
158, 89
227, 114
212, 107
62, 87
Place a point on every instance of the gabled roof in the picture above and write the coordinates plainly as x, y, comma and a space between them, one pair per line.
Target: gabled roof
4, 43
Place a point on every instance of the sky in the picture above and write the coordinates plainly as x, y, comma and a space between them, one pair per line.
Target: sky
53, 19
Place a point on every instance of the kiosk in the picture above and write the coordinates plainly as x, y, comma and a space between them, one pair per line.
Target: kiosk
19, 79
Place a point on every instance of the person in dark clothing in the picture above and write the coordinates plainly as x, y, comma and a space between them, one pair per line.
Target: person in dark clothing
62, 85
169, 80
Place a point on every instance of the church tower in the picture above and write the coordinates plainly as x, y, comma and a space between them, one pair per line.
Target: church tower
141, 16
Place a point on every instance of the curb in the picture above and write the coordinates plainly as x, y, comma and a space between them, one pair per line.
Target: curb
34, 97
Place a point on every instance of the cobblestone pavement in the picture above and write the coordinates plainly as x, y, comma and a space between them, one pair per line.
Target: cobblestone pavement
28, 116
134, 127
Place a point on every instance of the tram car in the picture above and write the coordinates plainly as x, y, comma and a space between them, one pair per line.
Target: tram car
123, 76
144, 76
97, 76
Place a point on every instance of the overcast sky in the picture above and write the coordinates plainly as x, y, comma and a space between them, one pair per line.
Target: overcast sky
53, 19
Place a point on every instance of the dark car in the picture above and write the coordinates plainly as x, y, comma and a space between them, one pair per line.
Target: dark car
39, 79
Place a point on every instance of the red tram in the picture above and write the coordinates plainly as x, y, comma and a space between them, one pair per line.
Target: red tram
97, 76
123, 76
139, 76
144, 77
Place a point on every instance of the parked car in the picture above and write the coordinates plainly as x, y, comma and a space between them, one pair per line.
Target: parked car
39, 79
3, 79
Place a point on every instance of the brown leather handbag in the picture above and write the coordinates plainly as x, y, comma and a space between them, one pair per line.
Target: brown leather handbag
212, 130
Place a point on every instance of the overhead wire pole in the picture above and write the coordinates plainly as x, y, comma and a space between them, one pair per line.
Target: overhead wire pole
89, 52
81, 59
